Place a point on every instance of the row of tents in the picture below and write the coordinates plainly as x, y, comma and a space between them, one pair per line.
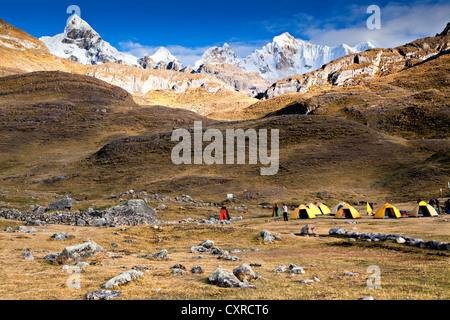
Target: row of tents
345, 211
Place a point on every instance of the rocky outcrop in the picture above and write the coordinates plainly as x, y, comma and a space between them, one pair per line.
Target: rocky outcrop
62, 204
354, 68
146, 62
140, 81
249, 83
133, 213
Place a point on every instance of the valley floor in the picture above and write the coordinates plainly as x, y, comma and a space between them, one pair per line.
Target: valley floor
406, 272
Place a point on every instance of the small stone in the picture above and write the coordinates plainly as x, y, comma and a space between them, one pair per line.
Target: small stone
28, 256
197, 270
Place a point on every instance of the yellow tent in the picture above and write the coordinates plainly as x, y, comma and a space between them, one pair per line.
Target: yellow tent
336, 208
303, 212
347, 212
323, 208
314, 209
423, 210
387, 211
369, 209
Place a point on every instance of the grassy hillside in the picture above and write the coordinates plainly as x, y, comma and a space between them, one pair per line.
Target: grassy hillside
413, 103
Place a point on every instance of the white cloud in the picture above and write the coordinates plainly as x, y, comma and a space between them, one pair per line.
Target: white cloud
400, 24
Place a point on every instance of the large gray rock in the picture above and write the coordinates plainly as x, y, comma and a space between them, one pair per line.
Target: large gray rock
135, 211
223, 278
80, 252
244, 272
207, 244
62, 204
267, 237
123, 278
103, 295
160, 255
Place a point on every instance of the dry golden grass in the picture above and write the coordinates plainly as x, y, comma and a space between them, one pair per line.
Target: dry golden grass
406, 273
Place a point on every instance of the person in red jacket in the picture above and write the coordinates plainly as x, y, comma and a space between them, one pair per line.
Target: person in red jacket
224, 214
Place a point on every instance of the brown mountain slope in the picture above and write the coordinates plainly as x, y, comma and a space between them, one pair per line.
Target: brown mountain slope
21, 53
320, 157
48, 119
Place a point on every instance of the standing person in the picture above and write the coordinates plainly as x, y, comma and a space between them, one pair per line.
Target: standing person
431, 203
224, 214
285, 212
437, 206
275, 211
447, 206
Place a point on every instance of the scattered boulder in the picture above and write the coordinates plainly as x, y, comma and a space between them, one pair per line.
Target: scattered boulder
160, 255
309, 230
226, 256
80, 252
61, 236
197, 269
223, 278
207, 244
123, 278
267, 237
28, 256
200, 249
281, 268
62, 204
315, 279
176, 272
337, 231
244, 272
36, 223
178, 266
103, 295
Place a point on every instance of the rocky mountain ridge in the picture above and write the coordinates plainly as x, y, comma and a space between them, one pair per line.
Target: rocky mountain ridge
362, 66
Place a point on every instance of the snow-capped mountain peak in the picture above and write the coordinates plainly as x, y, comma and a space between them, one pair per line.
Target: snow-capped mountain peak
287, 56
81, 43
284, 39
220, 55
75, 22
163, 54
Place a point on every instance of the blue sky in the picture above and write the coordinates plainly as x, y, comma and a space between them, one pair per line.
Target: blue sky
188, 28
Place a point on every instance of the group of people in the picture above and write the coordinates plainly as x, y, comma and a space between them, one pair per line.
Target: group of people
276, 211
435, 204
